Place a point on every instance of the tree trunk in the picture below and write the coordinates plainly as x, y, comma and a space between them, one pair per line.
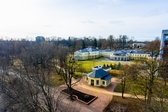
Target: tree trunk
150, 89
123, 87
71, 93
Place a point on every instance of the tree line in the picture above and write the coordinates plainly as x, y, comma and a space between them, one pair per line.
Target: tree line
121, 42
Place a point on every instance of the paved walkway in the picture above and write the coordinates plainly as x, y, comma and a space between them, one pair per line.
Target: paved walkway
101, 102
106, 91
104, 98
110, 90
104, 95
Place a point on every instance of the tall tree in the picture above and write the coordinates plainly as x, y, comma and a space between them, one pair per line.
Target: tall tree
153, 47
66, 67
129, 72
95, 43
111, 41
83, 44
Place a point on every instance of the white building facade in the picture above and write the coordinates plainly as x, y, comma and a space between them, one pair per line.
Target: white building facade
87, 53
120, 55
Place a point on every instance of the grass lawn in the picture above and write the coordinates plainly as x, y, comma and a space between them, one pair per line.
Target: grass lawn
86, 66
128, 104
118, 104
56, 80
116, 73
138, 87
132, 87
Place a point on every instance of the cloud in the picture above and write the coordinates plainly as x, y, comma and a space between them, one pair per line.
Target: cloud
88, 22
116, 22
107, 1
155, 12
48, 26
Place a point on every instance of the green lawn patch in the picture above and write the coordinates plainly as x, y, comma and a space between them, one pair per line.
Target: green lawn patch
132, 87
86, 66
136, 87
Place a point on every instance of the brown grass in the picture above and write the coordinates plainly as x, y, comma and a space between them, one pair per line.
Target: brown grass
56, 80
116, 73
131, 104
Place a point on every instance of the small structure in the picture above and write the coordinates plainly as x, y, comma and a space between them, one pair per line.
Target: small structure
99, 77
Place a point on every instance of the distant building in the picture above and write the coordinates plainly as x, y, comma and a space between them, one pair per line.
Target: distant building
99, 77
138, 54
40, 39
106, 53
119, 55
138, 45
164, 45
126, 55
87, 53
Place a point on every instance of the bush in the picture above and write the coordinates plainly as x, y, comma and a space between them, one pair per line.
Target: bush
119, 66
78, 75
104, 66
115, 73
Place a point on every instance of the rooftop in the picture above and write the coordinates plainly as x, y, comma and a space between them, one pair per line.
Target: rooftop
100, 73
88, 50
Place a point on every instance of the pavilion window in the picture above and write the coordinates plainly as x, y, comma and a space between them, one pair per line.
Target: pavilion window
97, 82
103, 82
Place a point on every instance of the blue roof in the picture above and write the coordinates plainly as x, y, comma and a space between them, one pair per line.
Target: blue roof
88, 50
120, 52
107, 77
100, 73
124, 52
107, 50
137, 51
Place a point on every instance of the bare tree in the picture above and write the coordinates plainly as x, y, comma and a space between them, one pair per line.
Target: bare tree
27, 83
130, 72
66, 67
163, 71
111, 41
67, 71
153, 47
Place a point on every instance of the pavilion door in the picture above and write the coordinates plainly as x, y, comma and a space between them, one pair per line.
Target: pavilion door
92, 82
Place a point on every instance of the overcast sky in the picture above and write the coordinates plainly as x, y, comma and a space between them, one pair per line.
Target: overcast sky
142, 19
